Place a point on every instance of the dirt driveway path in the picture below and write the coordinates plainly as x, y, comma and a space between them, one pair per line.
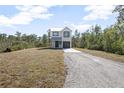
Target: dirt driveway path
84, 70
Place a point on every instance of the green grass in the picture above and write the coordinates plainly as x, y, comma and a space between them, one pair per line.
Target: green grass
32, 68
111, 56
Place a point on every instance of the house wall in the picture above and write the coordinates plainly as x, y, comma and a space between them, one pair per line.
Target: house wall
60, 45
60, 33
63, 38
51, 34
53, 44
66, 39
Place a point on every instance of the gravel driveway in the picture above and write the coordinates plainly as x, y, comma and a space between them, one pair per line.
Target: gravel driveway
84, 70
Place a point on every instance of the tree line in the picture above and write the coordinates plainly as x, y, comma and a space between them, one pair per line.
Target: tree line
22, 41
111, 39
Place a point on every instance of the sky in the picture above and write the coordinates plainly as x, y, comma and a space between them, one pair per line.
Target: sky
37, 19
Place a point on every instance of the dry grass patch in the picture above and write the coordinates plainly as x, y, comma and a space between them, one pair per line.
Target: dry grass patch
103, 54
32, 68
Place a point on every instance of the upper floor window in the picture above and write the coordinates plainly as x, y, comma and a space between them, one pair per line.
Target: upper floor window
66, 34
55, 33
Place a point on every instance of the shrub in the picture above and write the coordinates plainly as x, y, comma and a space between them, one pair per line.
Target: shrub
17, 47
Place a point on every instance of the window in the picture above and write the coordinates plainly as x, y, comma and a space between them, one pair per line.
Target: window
55, 33
66, 34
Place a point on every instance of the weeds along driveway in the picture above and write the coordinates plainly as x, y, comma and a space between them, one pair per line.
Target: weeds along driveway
84, 70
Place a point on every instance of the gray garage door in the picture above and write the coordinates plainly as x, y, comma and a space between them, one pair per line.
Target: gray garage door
66, 44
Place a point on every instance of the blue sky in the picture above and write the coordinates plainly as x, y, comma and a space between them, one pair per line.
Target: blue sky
38, 19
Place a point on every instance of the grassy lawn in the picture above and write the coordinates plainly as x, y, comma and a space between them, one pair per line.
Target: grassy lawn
103, 54
32, 68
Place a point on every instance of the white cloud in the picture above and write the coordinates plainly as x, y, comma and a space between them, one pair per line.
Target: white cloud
81, 27
26, 15
98, 12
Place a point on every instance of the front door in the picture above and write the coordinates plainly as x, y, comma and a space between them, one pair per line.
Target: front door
56, 44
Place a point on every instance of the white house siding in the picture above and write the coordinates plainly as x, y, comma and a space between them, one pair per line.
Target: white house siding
60, 46
60, 33
53, 44
66, 39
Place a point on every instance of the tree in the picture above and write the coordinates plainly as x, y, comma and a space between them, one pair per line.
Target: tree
83, 40
92, 38
45, 40
76, 39
120, 18
18, 36
4, 42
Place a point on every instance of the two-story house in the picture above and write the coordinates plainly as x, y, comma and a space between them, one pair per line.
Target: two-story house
60, 37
